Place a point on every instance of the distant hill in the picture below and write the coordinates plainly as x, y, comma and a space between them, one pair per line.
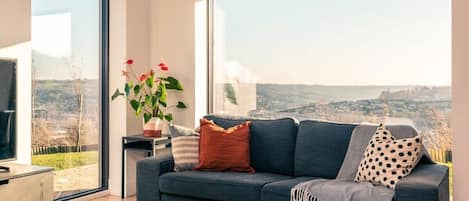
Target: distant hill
419, 94
49, 67
275, 97
59, 98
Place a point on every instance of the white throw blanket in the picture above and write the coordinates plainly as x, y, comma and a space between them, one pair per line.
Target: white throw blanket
343, 188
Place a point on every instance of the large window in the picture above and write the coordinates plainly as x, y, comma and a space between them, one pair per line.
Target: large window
69, 79
345, 61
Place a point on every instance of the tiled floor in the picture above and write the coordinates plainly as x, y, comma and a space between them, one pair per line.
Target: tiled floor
115, 198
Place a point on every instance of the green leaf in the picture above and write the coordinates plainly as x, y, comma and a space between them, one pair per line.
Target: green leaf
168, 117
154, 100
160, 114
127, 88
137, 89
163, 94
163, 103
158, 93
181, 105
140, 108
173, 84
150, 81
146, 117
135, 105
147, 100
116, 94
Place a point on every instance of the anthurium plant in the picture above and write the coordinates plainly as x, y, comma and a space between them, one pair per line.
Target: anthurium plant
148, 92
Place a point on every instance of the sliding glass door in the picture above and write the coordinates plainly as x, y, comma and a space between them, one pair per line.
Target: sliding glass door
68, 77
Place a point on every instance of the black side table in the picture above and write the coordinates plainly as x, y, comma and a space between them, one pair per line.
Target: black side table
148, 145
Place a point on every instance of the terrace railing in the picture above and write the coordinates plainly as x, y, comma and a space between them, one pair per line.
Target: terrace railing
62, 149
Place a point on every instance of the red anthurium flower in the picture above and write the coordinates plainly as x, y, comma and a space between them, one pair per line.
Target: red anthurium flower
163, 66
129, 61
143, 77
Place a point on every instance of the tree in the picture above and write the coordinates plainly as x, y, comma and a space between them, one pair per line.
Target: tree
76, 74
442, 139
386, 112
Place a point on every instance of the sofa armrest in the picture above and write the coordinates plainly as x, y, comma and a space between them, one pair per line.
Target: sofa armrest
427, 182
148, 173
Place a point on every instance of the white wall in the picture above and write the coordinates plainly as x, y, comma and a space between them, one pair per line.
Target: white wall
460, 112
117, 117
15, 36
15, 21
172, 38
129, 38
138, 48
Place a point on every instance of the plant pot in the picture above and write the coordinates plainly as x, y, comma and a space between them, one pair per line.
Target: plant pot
152, 128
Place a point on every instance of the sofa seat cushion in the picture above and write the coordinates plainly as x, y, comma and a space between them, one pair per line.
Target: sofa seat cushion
280, 190
222, 186
168, 197
272, 142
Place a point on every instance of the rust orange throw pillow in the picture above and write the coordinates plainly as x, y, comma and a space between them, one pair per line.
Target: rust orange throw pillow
224, 149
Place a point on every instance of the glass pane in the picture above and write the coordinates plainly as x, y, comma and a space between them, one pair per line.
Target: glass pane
345, 61
66, 92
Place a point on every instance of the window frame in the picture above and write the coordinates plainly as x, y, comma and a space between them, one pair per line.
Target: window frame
210, 45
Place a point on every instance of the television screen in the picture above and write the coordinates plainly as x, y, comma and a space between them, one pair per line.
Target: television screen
7, 109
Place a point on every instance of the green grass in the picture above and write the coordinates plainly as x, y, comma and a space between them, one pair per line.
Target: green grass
62, 161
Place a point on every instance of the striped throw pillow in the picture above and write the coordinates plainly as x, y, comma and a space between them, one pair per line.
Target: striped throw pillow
185, 148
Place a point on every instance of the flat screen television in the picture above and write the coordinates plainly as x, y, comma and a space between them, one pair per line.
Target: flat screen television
7, 110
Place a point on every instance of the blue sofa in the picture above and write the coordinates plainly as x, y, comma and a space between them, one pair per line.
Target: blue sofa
283, 153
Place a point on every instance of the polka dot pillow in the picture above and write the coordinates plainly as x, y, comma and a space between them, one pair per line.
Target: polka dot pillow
387, 160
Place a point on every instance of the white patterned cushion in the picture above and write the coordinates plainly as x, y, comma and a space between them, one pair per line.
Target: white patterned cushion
185, 147
387, 160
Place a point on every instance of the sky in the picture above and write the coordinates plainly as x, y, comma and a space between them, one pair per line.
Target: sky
66, 30
52, 34
339, 42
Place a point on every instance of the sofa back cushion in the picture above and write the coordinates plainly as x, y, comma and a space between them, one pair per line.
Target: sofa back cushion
272, 142
321, 148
